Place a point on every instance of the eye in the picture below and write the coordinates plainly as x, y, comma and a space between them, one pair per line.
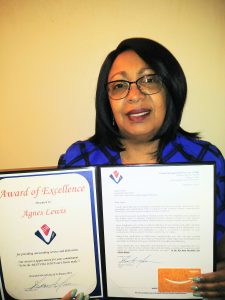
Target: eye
117, 85
148, 79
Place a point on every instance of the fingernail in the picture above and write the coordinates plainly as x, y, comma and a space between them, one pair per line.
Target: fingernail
196, 295
73, 293
195, 288
80, 296
196, 279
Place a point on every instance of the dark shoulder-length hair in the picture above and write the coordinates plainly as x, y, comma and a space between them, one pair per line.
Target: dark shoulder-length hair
162, 61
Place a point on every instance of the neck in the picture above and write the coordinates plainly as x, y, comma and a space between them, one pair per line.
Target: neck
139, 153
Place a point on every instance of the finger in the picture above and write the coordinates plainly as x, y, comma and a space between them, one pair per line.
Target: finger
80, 296
218, 286
210, 295
211, 277
70, 295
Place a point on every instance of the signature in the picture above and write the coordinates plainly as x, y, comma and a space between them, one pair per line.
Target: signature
56, 284
135, 261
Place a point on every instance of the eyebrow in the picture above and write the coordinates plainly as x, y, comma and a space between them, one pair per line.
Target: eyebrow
144, 69
124, 73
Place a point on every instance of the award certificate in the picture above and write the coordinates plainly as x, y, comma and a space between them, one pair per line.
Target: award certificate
158, 229
49, 240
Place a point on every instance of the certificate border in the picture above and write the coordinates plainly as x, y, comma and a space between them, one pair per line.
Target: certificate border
102, 219
87, 173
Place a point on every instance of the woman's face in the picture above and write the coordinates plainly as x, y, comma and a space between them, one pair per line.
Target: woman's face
138, 116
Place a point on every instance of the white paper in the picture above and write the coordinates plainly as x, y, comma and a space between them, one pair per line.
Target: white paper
157, 220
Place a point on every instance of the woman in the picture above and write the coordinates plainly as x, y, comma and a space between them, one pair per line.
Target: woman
140, 98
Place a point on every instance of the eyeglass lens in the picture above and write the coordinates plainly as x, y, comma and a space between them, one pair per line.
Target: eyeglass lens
148, 85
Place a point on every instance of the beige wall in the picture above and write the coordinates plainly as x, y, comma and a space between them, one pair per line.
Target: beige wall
51, 52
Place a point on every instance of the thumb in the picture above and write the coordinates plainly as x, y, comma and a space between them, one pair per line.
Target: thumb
70, 295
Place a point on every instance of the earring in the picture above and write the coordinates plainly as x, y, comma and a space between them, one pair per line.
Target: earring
113, 122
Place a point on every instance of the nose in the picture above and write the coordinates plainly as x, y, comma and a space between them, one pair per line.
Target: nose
134, 94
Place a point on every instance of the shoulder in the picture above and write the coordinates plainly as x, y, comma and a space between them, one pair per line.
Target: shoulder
186, 149
86, 153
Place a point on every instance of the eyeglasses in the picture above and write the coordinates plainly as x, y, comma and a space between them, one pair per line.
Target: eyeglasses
147, 85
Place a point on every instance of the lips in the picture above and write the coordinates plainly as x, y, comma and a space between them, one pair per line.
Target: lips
138, 115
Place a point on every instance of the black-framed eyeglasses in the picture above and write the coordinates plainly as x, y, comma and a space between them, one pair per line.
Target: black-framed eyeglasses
147, 85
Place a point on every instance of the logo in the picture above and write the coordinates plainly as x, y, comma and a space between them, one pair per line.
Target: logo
177, 280
45, 234
115, 176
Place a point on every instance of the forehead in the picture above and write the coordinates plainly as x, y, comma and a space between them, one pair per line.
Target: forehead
128, 63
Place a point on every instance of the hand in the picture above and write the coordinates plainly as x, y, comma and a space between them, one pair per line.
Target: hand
72, 295
211, 285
